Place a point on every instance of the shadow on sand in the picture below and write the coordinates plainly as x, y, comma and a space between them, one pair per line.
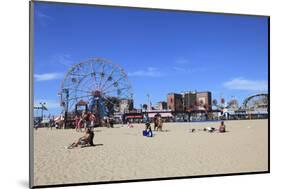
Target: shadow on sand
97, 130
163, 131
95, 145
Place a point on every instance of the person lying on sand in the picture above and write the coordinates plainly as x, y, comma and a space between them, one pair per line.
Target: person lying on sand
192, 130
209, 129
87, 139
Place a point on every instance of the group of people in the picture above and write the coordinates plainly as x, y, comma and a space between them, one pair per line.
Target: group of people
86, 120
157, 125
221, 129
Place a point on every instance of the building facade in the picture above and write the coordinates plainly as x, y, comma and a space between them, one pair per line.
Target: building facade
189, 100
175, 102
126, 105
204, 100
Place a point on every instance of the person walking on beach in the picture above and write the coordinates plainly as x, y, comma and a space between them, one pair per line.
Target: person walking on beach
222, 127
87, 120
77, 119
62, 122
111, 122
189, 114
124, 119
158, 124
92, 119
146, 118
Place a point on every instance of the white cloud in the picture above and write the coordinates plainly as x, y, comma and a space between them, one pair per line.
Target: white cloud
48, 76
64, 59
244, 84
149, 72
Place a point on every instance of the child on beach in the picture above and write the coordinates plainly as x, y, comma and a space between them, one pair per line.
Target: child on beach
147, 132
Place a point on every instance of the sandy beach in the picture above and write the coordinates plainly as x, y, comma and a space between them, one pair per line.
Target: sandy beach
123, 153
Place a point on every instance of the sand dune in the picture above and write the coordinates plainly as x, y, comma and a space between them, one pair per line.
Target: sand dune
123, 153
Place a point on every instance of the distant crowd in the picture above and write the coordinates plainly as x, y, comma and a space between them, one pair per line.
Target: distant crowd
87, 121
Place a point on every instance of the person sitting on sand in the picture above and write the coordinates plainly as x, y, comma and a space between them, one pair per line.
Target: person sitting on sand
87, 139
222, 127
147, 132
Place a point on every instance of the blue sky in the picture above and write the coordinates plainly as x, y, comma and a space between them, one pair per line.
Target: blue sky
161, 51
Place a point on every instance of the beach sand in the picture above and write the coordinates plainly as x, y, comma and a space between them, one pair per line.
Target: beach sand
123, 153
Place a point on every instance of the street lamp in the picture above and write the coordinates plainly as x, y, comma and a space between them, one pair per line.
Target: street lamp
42, 109
66, 92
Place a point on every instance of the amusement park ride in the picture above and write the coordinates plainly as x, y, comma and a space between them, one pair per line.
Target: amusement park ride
95, 84
255, 105
98, 86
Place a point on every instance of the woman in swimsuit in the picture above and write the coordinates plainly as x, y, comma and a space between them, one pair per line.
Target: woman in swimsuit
86, 139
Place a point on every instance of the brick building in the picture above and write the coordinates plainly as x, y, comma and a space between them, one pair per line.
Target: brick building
175, 102
189, 100
204, 99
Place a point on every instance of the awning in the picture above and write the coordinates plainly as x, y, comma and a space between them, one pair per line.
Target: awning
134, 117
165, 114
57, 119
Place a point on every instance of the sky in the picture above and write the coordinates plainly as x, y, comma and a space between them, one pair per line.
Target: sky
161, 51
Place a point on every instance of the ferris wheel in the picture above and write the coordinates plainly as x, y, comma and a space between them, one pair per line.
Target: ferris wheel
97, 82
